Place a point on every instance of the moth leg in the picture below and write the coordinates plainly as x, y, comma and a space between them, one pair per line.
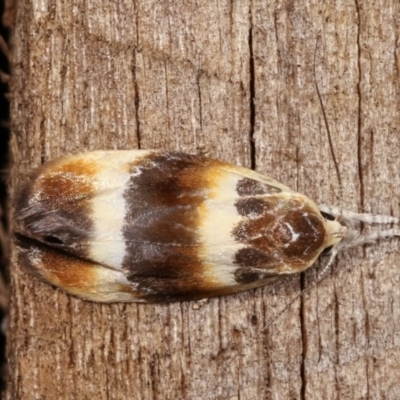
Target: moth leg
203, 150
199, 303
351, 218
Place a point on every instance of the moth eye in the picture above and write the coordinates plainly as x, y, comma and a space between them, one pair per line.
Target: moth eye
327, 250
52, 239
327, 216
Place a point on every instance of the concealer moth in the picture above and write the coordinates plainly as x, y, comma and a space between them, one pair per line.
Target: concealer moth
152, 226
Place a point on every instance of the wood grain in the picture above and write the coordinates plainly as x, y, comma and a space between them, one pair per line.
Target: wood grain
238, 78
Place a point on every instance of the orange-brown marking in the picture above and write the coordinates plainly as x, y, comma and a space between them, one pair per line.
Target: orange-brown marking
71, 180
67, 271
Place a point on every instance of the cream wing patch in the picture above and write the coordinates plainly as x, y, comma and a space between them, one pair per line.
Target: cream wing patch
109, 207
218, 216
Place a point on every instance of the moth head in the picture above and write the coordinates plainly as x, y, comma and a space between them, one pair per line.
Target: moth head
335, 232
284, 233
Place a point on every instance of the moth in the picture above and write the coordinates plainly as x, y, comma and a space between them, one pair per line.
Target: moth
153, 226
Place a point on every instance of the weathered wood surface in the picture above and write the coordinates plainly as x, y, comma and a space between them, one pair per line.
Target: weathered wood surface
238, 78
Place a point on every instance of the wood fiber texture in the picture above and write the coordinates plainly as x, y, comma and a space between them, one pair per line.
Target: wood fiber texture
237, 78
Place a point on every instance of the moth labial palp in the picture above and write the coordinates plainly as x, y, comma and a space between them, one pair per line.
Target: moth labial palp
353, 220
154, 226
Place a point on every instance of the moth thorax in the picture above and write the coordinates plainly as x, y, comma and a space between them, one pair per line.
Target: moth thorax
298, 234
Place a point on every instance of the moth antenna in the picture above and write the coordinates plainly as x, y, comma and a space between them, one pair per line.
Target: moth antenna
351, 219
328, 131
336, 212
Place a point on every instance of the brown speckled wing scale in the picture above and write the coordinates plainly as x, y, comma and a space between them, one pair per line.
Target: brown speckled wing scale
154, 226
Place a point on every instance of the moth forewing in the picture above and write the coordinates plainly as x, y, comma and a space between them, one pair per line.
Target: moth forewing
153, 226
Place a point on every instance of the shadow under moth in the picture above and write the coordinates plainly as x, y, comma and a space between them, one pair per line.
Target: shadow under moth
153, 226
